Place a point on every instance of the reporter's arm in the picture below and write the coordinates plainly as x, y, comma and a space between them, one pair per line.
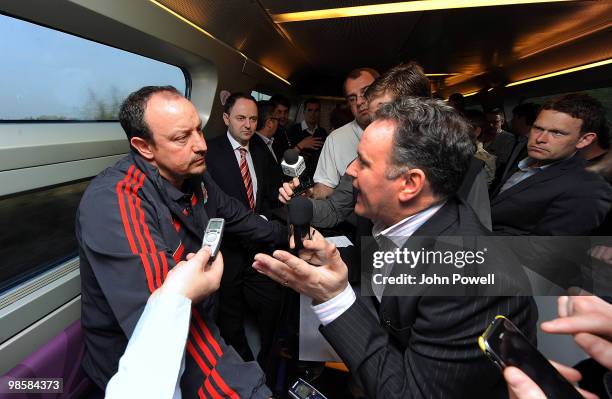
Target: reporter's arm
334, 209
153, 361
152, 364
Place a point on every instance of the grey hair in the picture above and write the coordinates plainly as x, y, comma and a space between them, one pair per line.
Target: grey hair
432, 136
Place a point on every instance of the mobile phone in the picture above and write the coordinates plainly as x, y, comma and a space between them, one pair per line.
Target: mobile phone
303, 390
506, 346
213, 234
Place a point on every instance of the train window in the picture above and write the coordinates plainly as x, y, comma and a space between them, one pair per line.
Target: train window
51, 75
38, 231
259, 96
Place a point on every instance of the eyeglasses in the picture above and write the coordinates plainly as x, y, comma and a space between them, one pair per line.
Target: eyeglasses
352, 99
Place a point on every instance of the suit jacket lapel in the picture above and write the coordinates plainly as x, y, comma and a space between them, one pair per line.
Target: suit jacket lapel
511, 166
259, 160
437, 225
233, 170
549, 173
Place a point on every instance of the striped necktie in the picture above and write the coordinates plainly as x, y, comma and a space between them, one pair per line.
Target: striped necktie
246, 177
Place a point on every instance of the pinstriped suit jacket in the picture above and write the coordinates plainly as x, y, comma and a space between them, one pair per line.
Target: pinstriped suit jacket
426, 347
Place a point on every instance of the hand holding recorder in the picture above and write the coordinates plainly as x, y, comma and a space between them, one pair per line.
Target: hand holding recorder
197, 277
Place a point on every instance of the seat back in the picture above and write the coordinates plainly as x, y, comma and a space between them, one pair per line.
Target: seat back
59, 358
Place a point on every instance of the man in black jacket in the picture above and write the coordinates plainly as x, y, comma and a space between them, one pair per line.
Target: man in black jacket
411, 160
241, 164
308, 136
136, 221
549, 192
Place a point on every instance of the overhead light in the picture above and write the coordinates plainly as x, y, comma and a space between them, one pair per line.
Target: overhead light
392, 8
204, 32
562, 72
470, 93
490, 89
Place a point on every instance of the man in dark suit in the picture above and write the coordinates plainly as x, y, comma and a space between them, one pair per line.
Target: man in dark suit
243, 168
267, 127
308, 137
281, 113
411, 160
549, 192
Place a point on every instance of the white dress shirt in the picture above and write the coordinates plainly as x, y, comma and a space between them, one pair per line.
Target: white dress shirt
310, 131
398, 234
147, 368
236, 146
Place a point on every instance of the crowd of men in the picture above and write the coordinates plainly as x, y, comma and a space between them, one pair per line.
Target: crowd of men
406, 165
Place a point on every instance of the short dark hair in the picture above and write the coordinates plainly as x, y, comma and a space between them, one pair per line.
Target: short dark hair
265, 111
311, 100
231, 100
496, 111
586, 108
529, 111
432, 136
403, 80
132, 110
355, 73
279, 99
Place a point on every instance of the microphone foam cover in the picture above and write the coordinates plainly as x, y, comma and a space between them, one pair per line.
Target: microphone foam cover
291, 156
300, 211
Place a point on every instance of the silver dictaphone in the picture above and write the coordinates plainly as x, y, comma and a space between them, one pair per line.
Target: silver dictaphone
213, 234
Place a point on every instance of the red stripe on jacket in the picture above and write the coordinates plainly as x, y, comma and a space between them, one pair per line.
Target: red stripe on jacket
123, 212
205, 369
207, 333
147, 233
211, 340
124, 186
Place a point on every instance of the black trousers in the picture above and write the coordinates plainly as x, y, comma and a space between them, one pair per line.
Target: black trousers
244, 292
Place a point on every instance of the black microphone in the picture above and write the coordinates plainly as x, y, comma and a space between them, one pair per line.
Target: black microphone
299, 211
293, 165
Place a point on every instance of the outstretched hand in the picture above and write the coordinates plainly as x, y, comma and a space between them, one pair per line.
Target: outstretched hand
589, 319
318, 272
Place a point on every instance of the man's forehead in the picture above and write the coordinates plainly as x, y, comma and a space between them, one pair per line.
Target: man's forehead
353, 86
384, 97
280, 108
244, 105
551, 119
379, 129
167, 104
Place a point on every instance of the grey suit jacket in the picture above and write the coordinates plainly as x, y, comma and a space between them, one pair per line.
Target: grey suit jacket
426, 346
340, 204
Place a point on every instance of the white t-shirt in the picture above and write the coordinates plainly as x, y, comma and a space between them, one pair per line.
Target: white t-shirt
339, 150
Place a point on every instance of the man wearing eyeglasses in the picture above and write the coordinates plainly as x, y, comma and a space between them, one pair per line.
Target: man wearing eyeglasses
340, 148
